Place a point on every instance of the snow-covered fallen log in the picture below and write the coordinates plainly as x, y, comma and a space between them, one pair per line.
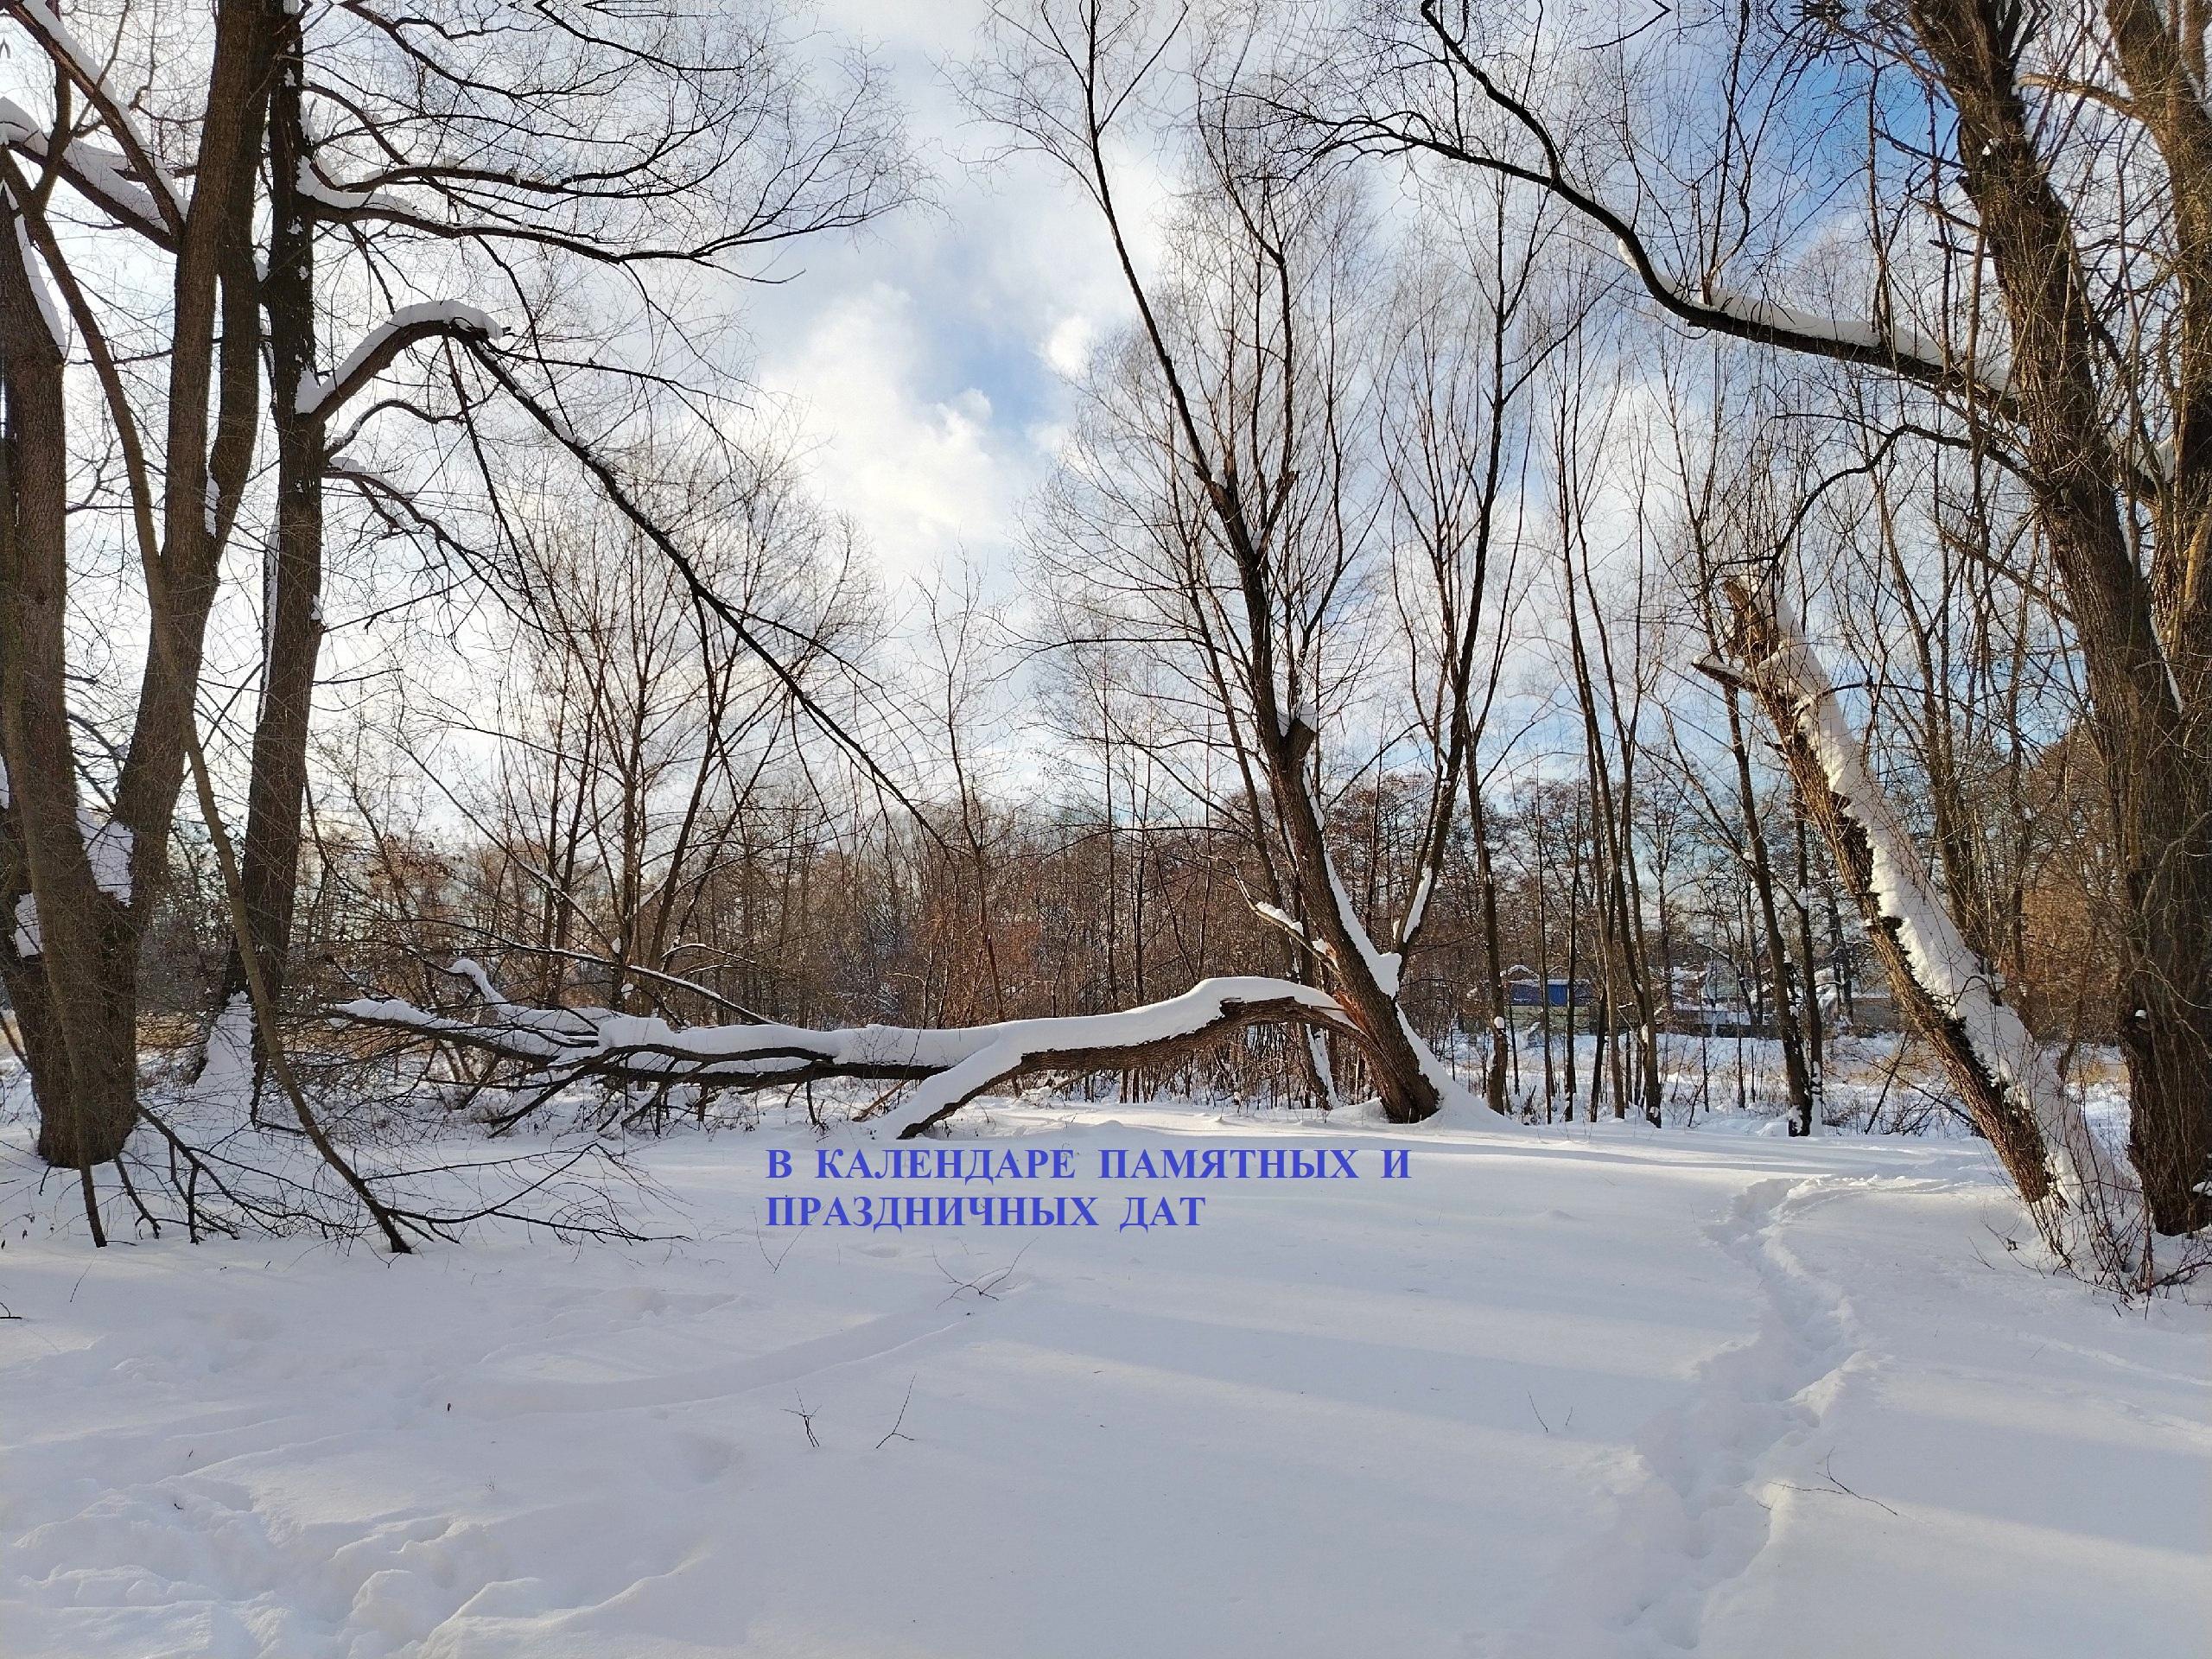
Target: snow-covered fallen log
949, 1065
2078, 1193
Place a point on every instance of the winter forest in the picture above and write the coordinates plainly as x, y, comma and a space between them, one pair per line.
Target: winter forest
1031, 829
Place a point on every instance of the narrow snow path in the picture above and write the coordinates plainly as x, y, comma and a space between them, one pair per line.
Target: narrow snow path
1623, 1393
1696, 1517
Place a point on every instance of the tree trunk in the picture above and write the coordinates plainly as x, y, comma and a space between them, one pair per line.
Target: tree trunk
1782, 999
1947, 990
1815, 1058
2145, 692
1493, 970
277, 788
79, 891
67, 949
1362, 979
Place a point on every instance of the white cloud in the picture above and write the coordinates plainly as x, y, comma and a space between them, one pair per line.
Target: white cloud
1068, 347
928, 356
922, 466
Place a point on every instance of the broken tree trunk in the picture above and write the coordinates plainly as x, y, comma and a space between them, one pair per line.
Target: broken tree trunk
949, 1066
1951, 995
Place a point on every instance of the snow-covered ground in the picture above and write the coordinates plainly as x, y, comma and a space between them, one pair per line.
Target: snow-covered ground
1556, 1393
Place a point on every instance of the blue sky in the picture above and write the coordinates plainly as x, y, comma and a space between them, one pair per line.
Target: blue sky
927, 356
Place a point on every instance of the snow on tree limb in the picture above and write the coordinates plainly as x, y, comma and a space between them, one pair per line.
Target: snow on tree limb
337, 198
56, 330
1275, 917
101, 177
408, 325
2009, 1085
69, 56
950, 1065
1905, 344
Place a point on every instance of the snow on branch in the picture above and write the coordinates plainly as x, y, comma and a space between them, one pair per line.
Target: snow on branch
1852, 337
1275, 917
2009, 1085
1417, 906
56, 330
70, 57
1382, 964
103, 177
950, 1065
107, 850
335, 197
409, 325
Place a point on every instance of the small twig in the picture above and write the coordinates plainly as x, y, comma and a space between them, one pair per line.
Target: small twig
897, 1423
775, 1263
1541, 1423
983, 1286
1837, 1487
805, 1418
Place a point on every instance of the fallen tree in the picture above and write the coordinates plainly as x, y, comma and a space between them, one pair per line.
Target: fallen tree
947, 1067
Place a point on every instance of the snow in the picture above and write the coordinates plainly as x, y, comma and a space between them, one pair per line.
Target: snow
1417, 906
311, 185
451, 316
102, 175
469, 969
228, 1061
1899, 340
55, 329
1622, 1394
1275, 916
1942, 961
1383, 968
107, 848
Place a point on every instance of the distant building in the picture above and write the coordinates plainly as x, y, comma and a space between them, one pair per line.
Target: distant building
1551, 993
1524, 990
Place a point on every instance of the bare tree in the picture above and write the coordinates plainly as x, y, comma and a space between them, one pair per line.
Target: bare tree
457, 152
1247, 376
2088, 366
519, 157
1466, 349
